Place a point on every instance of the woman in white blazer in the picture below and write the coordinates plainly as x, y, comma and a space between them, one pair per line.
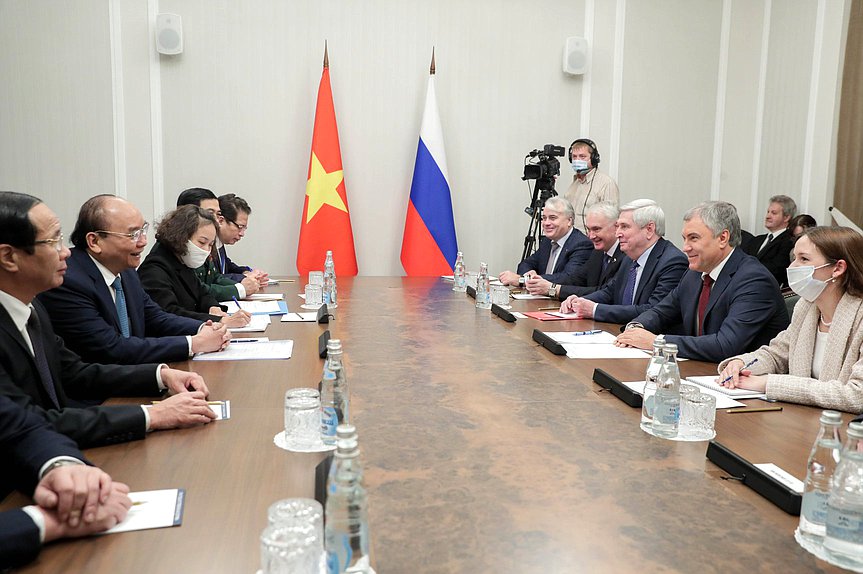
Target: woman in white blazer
817, 360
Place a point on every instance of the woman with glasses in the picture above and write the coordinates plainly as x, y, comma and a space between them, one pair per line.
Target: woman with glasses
184, 239
817, 360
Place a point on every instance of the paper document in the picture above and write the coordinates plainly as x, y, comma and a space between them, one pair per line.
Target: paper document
299, 317
449, 278
709, 382
221, 408
260, 350
258, 307
265, 297
603, 337
722, 401
603, 351
518, 315
258, 324
529, 296
153, 509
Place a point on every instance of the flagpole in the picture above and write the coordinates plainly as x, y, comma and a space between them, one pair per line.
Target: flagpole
327, 57
431, 68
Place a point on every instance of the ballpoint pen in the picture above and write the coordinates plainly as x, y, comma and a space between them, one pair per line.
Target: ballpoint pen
592, 332
239, 308
729, 377
742, 410
549, 308
245, 341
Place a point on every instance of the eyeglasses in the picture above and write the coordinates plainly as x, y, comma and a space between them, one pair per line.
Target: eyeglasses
55, 242
134, 236
239, 226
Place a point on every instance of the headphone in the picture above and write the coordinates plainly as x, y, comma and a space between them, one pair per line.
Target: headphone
594, 153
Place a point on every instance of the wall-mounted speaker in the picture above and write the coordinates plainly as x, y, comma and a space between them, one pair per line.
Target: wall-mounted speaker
169, 34
575, 56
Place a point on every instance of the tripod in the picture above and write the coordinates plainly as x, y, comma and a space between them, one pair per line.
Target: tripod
543, 190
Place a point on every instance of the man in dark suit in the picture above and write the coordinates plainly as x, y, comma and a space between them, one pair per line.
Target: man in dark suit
232, 228
651, 269
39, 373
604, 260
102, 311
726, 304
561, 252
71, 498
773, 249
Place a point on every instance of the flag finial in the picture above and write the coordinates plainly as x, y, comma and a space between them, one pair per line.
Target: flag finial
431, 68
326, 56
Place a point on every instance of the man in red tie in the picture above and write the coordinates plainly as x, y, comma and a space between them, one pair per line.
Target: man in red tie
726, 304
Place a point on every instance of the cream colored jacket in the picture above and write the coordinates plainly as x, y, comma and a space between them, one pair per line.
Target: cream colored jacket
841, 383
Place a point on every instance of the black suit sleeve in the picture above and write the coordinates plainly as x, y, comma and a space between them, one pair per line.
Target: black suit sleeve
159, 282
19, 539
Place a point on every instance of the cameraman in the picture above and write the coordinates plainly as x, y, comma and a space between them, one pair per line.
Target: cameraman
561, 252
589, 185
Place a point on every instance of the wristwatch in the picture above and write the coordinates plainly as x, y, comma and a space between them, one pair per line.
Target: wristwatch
552, 291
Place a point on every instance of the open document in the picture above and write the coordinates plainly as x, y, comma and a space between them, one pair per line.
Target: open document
594, 345
251, 351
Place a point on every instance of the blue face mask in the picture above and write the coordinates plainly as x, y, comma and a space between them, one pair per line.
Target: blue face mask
579, 166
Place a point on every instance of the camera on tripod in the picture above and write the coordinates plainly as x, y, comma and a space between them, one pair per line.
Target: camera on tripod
544, 166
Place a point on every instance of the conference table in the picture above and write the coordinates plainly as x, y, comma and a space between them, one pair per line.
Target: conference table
483, 452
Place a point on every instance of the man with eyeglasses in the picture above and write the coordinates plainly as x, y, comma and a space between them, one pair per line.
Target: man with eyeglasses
40, 374
235, 214
221, 287
102, 311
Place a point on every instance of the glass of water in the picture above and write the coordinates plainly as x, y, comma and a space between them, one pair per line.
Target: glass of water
697, 416
303, 422
500, 296
291, 549
316, 277
314, 295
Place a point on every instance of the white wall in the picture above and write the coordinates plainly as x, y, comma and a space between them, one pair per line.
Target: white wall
686, 99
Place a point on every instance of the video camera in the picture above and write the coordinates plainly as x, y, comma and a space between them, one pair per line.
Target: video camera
543, 165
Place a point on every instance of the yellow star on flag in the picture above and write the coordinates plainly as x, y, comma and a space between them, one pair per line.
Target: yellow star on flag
322, 188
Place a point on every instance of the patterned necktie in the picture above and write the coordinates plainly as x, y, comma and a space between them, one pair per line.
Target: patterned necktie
555, 247
122, 313
606, 259
702, 302
34, 330
629, 290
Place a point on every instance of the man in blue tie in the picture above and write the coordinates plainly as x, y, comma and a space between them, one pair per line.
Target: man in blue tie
102, 311
651, 269
233, 225
562, 250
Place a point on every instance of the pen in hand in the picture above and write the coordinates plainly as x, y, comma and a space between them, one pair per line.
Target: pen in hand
729, 377
239, 307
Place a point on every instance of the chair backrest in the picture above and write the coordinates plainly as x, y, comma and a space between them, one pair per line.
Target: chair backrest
790, 301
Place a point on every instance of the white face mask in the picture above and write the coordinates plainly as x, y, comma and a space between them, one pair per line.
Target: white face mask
579, 166
195, 256
802, 282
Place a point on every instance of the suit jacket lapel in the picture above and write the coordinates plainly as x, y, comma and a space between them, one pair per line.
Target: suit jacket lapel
724, 280
610, 269
99, 286
649, 267
8, 326
844, 318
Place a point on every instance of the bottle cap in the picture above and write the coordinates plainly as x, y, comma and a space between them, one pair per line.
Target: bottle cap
855, 430
334, 345
346, 430
670, 348
831, 418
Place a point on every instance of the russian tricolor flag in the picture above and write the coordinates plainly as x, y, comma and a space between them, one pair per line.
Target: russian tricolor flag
429, 246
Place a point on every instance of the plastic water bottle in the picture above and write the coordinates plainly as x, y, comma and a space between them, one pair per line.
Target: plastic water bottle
666, 401
334, 393
483, 289
650, 376
347, 524
843, 542
820, 469
459, 282
330, 298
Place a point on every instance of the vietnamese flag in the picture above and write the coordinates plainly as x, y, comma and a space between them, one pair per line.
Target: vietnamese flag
326, 223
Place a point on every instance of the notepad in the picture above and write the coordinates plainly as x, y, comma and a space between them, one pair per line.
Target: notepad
709, 382
221, 408
259, 350
264, 297
257, 324
299, 317
153, 509
526, 296
258, 307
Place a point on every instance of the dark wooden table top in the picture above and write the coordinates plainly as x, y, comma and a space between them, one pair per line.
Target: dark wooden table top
483, 453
